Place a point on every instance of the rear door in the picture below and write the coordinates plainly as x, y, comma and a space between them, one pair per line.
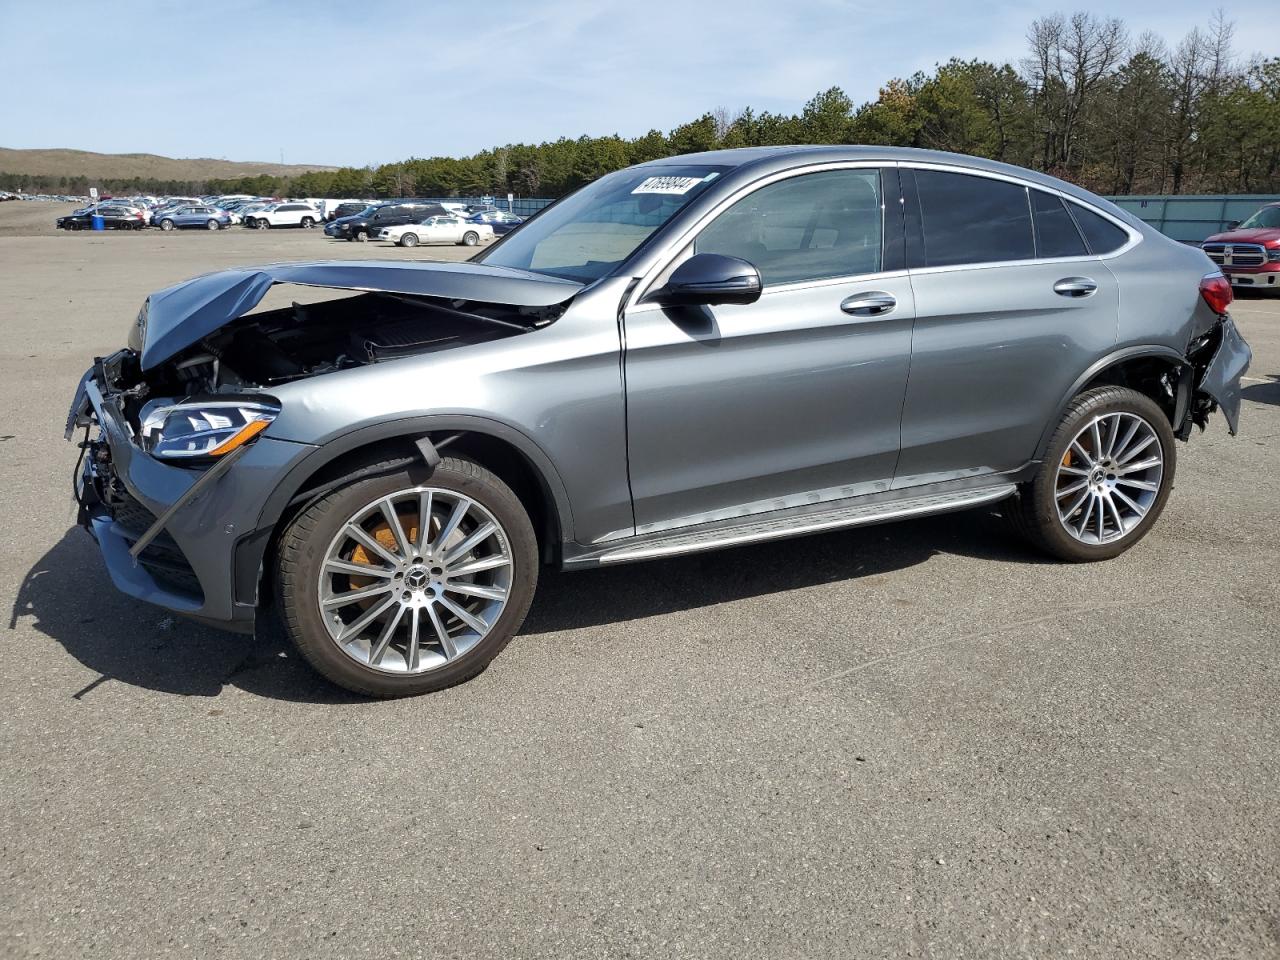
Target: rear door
794, 399
1008, 302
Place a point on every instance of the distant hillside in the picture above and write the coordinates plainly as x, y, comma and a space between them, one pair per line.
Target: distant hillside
146, 166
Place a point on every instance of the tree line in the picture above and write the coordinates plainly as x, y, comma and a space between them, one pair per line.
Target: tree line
1088, 102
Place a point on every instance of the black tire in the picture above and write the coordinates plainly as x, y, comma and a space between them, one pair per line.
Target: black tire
361, 236
167, 224
408, 240
1033, 511
308, 223
214, 225
262, 223
470, 238
301, 553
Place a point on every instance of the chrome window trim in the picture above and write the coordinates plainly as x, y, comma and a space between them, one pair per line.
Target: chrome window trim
675, 248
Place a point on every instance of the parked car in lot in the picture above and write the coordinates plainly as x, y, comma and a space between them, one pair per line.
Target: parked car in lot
195, 215
283, 215
348, 208
114, 217
1249, 253
698, 352
366, 224
499, 220
438, 230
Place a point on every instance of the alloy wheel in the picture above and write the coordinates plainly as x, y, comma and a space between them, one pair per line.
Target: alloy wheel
1109, 478
401, 594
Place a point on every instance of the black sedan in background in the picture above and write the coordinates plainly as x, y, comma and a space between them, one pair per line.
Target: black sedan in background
114, 218
394, 213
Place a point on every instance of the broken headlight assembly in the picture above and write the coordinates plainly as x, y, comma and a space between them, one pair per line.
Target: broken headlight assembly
194, 430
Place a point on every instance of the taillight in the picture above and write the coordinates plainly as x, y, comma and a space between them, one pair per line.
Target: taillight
1216, 290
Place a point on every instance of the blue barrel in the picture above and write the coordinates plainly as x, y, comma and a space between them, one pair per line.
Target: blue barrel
97, 222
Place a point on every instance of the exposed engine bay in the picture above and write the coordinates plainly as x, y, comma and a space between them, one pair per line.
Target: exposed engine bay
273, 347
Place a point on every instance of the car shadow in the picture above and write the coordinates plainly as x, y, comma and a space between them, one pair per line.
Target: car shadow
68, 597
1264, 392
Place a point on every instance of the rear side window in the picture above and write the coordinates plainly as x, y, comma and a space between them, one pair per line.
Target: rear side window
1056, 233
810, 227
970, 219
1103, 235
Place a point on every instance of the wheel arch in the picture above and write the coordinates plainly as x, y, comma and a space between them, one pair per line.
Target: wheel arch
503, 449
1137, 367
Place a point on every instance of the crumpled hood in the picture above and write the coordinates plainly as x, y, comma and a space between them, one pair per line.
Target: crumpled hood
178, 316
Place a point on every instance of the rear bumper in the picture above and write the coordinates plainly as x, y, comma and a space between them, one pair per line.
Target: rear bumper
198, 565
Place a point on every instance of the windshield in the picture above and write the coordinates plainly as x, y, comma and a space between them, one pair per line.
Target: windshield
590, 232
1266, 217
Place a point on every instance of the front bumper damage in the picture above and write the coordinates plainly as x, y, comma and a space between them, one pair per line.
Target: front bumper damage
196, 565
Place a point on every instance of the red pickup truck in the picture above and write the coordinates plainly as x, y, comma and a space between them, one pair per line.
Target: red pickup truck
1249, 253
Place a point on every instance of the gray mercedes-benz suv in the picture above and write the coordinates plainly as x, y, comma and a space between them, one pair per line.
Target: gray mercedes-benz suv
689, 354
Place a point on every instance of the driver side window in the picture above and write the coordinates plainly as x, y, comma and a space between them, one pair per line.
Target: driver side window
814, 226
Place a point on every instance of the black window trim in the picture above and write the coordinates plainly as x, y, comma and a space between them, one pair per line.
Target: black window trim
678, 249
914, 224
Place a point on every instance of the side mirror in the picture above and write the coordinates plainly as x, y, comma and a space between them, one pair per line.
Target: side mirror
1232, 224
708, 279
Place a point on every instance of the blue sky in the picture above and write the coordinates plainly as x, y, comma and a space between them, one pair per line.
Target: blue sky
353, 83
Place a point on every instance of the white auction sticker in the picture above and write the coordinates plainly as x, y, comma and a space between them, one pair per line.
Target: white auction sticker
671, 185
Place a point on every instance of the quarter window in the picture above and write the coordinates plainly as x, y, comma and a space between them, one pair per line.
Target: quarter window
1102, 235
969, 219
810, 227
1056, 233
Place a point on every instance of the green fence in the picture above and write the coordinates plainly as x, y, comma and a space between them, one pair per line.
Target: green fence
1191, 218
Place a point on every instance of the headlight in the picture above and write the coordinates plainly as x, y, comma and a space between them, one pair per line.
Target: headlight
1274, 255
186, 430
138, 329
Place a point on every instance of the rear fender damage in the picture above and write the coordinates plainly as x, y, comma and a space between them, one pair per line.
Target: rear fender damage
1210, 379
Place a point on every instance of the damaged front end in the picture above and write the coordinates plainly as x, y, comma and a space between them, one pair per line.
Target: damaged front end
166, 418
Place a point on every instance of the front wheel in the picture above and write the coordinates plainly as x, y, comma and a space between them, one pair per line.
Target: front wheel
308, 223
262, 223
213, 225
166, 224
404, 583
470, 238
1105, 478
362, 236
408, 240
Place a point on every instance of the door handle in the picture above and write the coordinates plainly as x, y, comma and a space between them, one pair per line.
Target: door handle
1075, 287
874, 303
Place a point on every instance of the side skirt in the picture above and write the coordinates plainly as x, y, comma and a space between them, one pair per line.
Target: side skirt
758, 528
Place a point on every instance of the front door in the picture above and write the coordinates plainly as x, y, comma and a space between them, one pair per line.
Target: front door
795, 399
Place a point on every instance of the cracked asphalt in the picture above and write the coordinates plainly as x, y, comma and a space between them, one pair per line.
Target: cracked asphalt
917, 740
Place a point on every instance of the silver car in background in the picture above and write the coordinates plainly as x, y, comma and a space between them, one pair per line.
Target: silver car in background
690, 354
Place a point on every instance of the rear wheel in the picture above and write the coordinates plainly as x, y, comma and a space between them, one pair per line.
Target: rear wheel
408, 240
1105, 478
397, 585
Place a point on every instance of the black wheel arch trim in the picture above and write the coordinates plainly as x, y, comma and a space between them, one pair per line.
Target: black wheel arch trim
251, 549
1135, 352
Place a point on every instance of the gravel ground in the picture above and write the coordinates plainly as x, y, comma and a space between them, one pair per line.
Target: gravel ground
911, 740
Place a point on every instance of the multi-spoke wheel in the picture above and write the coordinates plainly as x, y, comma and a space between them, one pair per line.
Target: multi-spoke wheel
395, 585
1105, 478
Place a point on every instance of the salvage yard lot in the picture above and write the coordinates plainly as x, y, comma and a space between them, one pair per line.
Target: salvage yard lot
919, 739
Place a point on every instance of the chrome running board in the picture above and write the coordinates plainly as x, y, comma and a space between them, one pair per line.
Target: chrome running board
777, 528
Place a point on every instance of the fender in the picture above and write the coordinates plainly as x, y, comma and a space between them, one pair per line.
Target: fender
252, 548
413, 428
1133, 352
